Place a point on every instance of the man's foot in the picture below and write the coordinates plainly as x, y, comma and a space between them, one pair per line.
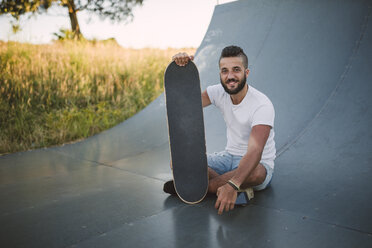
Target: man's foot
244, 196
169, 187
242, 199
249, 192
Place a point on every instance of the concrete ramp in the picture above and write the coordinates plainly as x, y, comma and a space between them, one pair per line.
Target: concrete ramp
314, 61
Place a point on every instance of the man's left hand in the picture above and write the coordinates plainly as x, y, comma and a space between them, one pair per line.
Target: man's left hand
226, 197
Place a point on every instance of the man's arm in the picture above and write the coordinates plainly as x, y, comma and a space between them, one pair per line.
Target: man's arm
252, 158
205, 99
257, 140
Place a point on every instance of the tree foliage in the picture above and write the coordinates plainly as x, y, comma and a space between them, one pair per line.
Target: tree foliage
116, 10
20, 7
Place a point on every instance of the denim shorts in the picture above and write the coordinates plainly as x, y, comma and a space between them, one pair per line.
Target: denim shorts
222, 162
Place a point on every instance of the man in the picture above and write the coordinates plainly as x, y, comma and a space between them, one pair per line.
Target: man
248, 159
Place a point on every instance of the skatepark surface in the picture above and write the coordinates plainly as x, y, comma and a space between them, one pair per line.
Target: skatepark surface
313, 59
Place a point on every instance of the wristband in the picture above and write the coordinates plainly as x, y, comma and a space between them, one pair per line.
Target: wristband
232, 184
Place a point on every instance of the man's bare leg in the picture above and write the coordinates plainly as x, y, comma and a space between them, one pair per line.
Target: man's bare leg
257, 177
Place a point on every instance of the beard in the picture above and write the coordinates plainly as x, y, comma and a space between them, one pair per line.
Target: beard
241, 85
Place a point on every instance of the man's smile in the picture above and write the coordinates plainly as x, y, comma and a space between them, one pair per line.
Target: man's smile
231, 82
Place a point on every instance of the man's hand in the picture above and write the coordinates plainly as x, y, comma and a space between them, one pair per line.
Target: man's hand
226, 198
182, 59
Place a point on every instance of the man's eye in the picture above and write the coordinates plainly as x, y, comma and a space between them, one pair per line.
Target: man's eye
237, 69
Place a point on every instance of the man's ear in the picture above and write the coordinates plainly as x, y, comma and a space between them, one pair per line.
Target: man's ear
247, 72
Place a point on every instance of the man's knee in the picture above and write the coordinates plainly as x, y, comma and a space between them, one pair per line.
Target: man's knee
212, 174
257, 177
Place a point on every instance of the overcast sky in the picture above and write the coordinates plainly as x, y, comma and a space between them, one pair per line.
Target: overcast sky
158, 23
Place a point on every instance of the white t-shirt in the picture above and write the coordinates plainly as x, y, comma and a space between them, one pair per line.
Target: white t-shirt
255, 109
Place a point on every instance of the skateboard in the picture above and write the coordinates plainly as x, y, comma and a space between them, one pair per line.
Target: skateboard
186, 132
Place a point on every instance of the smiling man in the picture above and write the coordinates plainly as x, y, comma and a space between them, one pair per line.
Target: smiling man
248, 159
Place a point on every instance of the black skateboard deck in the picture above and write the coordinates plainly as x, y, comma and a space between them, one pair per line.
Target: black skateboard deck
186, 132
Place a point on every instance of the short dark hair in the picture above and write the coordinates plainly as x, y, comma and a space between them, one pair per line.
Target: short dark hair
234, 51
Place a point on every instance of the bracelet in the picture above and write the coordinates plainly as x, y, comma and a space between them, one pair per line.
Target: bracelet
232, 184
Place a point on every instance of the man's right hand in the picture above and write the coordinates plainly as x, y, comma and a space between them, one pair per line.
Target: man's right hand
182, 59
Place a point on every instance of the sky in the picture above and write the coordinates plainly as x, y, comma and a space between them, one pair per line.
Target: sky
157, 24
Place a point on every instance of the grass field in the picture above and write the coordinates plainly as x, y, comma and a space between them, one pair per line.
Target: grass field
63, 92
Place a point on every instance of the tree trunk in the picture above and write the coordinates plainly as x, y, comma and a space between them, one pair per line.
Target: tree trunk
73, 18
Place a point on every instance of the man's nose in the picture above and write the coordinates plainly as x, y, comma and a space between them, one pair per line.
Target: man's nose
230, 75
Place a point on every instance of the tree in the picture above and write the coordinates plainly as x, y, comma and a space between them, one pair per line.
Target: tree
116, 10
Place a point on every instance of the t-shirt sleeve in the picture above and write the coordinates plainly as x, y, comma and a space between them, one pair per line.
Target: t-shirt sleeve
213, 93
264, 115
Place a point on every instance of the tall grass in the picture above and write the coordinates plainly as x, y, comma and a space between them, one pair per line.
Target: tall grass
58, 93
